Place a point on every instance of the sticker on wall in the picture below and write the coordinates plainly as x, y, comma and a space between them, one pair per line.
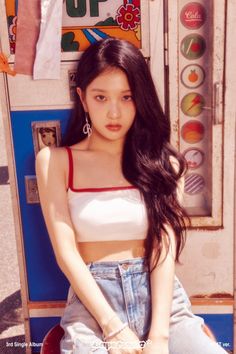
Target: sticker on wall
194, 183
193, 46
194, 157
72, 84
192, 104
192, 76
31, 190
192, 132
46, 134
193, 15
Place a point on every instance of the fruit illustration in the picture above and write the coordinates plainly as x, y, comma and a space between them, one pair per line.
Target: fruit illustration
195, 47
192, 132
193, 76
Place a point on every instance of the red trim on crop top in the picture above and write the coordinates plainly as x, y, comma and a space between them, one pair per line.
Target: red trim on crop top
96, 189
71, 167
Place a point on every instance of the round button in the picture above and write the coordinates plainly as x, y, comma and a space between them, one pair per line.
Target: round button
194, 157
192, 132
192, 76
125, 266
192, 104
193, 15
194, 183
193, 46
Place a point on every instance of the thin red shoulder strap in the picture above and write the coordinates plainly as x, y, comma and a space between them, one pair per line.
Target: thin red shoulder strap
71, 167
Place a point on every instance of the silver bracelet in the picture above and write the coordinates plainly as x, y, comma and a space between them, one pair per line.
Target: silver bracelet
115, 315
114, 333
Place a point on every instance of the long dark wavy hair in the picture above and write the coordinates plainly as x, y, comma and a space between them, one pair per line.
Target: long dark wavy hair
147, 153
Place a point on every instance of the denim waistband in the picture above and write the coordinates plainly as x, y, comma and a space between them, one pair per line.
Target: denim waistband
116, 268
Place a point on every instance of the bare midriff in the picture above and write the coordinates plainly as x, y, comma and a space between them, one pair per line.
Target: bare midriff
111, 250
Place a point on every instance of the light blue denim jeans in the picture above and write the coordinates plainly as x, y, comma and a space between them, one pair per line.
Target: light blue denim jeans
126, 286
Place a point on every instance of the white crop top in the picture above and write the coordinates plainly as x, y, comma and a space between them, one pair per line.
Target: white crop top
106, 214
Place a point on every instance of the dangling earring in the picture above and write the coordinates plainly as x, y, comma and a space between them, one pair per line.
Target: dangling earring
87, 128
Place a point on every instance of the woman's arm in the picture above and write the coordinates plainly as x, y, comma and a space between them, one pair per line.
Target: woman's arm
162, 281
51, 173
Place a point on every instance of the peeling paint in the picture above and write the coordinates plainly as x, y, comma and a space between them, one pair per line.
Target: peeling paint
213, 296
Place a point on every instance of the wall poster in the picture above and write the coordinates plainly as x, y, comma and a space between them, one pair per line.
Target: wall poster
86, 21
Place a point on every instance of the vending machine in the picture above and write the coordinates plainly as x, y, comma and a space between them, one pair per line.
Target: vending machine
189, 48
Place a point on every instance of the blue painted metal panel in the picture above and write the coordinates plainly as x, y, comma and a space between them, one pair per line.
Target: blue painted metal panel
222, 326
39, 326
45, 279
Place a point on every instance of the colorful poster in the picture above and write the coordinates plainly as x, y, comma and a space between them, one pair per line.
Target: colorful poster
87, 21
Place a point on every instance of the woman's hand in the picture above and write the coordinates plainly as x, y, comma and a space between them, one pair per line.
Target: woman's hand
125, 342
156, 346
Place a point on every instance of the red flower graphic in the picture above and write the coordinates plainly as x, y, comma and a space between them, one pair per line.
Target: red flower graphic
12, 28
128, 17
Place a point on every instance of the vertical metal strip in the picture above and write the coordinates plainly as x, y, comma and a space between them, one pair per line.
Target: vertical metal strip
166, 58
5, 110
234, 235
15, 205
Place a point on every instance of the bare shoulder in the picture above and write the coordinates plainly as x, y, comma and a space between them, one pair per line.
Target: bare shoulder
51, 154
51, 160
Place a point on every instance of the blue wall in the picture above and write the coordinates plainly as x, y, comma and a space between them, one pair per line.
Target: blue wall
45, 279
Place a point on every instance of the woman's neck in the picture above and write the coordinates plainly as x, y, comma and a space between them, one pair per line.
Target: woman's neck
95, 143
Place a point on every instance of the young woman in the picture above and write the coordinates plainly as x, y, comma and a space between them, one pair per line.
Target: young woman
111, 201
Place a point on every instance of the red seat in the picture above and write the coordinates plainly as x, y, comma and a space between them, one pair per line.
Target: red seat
51, 342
